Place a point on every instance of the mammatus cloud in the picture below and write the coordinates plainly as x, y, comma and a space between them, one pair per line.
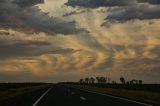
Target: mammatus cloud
15, 44
24, 15
130, 49
30, 49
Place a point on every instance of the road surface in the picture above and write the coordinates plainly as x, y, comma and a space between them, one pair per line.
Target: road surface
69, 96
61, 95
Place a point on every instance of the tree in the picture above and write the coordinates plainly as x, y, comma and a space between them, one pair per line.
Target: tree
140, 81
92, 80
87, 80
98, 79
122, 80
103, 80
114, 82
81, 81
128, 82
134, 82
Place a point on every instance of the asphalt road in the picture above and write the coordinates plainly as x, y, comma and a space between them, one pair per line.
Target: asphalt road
61, 95
69, 96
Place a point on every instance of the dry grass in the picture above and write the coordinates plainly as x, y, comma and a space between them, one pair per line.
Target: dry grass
7, 94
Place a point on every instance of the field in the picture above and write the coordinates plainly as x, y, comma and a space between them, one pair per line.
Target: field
146, 92
10, 90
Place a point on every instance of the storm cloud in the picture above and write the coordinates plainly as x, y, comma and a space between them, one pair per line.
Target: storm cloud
139, 11
150, 1
125, 9
25, 3
30, 49
107, 3
25, 16
99, 3
33, 46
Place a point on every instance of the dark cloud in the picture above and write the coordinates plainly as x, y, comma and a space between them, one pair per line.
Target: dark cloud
99, 3
73, 13
125, 9
139, 11
23, 15
150, 1
107, 3
32, 43
24, 3
30, 49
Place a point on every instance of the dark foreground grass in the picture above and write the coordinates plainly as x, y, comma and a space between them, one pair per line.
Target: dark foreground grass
7, 86
150, 96
10, 90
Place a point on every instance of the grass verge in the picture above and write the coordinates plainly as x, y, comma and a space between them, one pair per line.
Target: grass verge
11, 93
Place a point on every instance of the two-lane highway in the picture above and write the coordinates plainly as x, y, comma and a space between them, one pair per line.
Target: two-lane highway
61, 95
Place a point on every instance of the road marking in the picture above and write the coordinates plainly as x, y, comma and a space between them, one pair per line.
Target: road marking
122, 98
116, 97
38, 100
83, 98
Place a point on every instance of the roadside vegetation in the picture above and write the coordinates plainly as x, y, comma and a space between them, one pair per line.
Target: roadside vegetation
10, 90
134, 89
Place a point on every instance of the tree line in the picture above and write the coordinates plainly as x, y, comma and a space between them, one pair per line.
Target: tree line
104, 80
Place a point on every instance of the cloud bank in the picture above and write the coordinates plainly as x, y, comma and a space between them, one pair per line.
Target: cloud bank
25, 16
99, 3
139, 11
123, 10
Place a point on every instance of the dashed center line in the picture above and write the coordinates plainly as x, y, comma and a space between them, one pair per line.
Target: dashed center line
125, 99
83, 98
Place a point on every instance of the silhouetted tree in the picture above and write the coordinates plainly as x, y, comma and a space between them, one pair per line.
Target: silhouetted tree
131, 82
98, 79
140, 81
103, 80
81, 81
122, 80
134, 82
92, 80
128, 82
87, 80
114, 82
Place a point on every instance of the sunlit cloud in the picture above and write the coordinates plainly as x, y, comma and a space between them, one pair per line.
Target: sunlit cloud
67, 42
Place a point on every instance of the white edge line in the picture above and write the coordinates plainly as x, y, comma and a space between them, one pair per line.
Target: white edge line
118, 98
122, 99
83, 98
38, 100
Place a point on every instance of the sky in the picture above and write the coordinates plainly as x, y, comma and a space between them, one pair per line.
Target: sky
65, 40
